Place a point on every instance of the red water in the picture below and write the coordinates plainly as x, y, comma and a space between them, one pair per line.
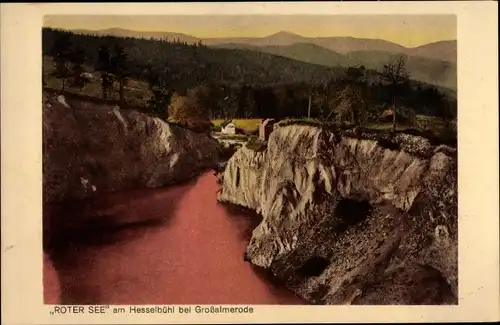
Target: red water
193, 254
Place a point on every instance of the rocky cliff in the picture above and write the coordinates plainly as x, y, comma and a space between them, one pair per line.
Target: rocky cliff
90, 149
351, 218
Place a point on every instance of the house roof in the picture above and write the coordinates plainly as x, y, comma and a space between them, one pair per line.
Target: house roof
226, 122
269, 121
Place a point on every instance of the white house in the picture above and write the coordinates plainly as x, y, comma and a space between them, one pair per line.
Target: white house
230, 128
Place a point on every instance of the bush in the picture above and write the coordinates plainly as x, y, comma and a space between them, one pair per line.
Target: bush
405, 115
448, 135
188, 111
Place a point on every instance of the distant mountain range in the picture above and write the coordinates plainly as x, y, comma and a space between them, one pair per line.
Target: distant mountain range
433, 63
444, 50
440, 73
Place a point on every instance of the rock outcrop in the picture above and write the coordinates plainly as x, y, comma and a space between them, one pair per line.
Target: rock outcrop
90, 149
351, 219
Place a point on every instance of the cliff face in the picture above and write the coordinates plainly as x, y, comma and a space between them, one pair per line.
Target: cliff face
89, 149
351, 220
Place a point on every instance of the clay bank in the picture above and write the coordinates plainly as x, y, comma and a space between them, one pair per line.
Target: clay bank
90, 149
351, 217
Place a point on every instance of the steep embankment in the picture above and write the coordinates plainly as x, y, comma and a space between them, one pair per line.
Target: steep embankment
351, 219
90, 148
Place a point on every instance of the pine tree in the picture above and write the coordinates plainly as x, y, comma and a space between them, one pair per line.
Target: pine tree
78, 57
159, 85
120, 70
104, 67
61, 54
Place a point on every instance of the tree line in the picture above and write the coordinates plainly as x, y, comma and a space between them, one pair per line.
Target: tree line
234, 85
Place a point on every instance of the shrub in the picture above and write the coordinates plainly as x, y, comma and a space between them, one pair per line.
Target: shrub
447, 135
405, 115
189, 111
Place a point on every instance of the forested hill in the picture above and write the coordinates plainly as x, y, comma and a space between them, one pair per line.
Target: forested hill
432, 71
191, 65
241, 83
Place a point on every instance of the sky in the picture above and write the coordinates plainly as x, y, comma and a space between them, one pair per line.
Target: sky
409, 31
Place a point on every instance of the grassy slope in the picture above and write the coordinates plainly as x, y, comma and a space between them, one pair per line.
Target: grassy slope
248, 125
136, 92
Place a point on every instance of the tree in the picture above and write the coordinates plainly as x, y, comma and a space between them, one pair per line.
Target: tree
114, 67
396, 76
266, 103
78, 79
350, 104
189, 110
119, 68
211, 96
104, 67
245, 102
355, 74
317, 93
69, 62
61, 53
160, 86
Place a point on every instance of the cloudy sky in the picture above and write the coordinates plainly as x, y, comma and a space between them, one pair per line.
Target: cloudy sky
409, 31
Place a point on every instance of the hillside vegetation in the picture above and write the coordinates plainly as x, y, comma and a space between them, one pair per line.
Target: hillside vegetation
221, 83
431, 71
191, 65
441, 51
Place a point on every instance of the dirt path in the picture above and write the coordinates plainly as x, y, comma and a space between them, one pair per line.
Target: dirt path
195, 256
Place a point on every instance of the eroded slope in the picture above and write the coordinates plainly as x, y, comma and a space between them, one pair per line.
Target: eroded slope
360, 220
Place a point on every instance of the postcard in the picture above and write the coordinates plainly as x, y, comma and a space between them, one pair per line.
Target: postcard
249, 162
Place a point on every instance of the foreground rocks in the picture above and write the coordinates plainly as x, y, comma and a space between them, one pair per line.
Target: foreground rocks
350, 219
90, 149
